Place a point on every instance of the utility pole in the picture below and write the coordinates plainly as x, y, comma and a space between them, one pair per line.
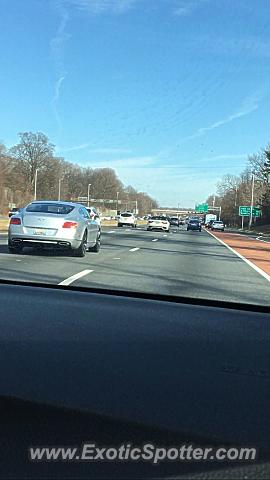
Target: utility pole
252, 200
59, 189
117, 193
35, 189
235, 198
88, 194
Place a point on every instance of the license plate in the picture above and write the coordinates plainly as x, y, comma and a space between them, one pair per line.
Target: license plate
39, 231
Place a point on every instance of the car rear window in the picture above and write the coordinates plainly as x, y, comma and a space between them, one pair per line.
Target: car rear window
50, 208
126, 214
158, 218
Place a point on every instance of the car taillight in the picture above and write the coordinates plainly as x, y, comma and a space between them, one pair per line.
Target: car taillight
70, 225
15, 221
163, 221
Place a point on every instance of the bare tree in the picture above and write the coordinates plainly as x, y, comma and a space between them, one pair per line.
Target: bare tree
31, 154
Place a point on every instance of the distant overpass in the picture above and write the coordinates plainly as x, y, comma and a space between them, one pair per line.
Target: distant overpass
177, 212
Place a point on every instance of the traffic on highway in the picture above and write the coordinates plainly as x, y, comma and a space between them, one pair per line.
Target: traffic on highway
46, 238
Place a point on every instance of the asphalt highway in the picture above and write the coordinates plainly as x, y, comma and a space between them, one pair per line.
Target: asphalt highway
192, 264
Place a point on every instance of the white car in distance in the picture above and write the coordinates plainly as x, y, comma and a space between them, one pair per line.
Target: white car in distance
94, 215
158, 223
127, 219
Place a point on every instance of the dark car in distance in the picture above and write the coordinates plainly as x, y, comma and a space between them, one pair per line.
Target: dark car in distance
174, 221
194, 224
14, 211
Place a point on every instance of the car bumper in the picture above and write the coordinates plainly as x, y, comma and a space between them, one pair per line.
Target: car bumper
126, 224
158, 227
45, 241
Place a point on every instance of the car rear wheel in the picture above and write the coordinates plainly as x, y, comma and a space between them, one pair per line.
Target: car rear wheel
81, 250
120, 225
96, 247
15, 248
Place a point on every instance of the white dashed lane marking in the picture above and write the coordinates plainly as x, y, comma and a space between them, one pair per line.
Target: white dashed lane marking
75, 277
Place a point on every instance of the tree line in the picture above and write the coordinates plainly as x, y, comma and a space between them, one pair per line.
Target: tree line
35, 155
236, 190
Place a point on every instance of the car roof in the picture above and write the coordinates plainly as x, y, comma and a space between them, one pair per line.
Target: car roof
57, 202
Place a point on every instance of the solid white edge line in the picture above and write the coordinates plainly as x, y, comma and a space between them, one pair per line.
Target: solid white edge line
134, 249
261, 240
72, 279
252, 265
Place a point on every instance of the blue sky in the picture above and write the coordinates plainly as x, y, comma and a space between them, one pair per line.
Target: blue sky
172, 94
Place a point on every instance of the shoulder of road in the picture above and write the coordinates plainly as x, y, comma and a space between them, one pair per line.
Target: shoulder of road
253, 250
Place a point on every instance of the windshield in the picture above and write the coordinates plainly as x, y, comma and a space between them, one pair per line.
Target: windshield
49, 208
138, 111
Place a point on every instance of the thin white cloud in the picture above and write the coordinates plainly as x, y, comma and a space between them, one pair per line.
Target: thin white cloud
230, 156
247, 45
74, 148
57, 45
249, 105
126, 163
98, 151
110, 151
99, 7
57, 88
184, 8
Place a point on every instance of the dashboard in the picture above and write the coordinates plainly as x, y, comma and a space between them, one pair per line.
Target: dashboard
80, 365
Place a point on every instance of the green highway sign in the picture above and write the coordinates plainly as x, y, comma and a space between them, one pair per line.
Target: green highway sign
201, 208
256, 212
244, 211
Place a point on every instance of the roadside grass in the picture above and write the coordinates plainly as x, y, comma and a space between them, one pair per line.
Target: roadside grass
265, 229
113, 223
4, 224
104, 223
